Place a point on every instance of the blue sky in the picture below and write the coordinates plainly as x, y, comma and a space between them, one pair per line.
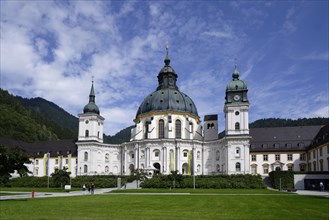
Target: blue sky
51, 49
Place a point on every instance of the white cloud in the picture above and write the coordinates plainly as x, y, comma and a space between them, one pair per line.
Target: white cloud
316, 56
218, 34
53, 48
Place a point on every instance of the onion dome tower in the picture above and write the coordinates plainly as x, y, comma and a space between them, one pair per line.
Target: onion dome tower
90, 121
91, 107
236, 106
165, 108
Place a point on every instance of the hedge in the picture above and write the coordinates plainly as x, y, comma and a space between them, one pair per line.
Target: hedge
286, 177
40, 182
215, 182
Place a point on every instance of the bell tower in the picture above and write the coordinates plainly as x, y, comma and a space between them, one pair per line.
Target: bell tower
90, 122
236, 106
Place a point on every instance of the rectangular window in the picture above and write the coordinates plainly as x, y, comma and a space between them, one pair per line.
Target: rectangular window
302, 167
313, 154
132, 156
66, 161
253, 157
320, 151
277, 157
265, 169
302, 157
36, 162
289, 156
265, 157
56, 161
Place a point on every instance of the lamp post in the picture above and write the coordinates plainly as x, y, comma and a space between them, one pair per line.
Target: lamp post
48, 158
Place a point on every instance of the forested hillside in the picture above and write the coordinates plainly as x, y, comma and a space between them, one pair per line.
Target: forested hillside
20, 123
38, 119
279, 122
52, 112
120, 137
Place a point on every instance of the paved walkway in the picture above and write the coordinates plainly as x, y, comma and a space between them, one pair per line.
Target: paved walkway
28, 195
313, 193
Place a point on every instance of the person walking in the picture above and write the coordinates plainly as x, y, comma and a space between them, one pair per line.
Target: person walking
321, 186
92, 188
84, 188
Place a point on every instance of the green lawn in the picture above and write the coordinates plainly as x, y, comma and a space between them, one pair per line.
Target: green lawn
201, 191
261, 205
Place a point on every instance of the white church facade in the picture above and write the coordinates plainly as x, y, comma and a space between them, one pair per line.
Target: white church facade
168, 134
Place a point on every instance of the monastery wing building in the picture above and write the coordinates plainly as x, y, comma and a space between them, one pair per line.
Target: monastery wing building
168, 134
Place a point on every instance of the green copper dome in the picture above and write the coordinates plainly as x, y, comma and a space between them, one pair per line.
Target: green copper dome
167, 96
236, 90
167, 99
236, 83
91, 107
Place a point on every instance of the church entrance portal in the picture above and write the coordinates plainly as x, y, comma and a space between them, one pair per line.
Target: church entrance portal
131, 168
157, 166
185, 169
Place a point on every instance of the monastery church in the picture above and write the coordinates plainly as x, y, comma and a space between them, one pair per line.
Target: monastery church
168, 134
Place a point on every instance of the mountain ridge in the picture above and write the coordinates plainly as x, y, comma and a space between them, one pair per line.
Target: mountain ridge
50, 121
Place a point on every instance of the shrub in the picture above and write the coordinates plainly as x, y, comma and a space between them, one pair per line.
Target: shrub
214, 182
286, 177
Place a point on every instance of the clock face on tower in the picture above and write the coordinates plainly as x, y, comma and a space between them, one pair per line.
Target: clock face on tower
236, 98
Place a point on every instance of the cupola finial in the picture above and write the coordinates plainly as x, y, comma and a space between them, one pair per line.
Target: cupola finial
235, 74
167, 60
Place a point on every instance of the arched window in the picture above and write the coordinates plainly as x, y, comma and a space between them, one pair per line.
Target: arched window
178, 126
217, 155
161, 128
290, 166
218, 168
86, 156
198, 155
107, 157
87, 133
237, 152
198, 168
106, 169
156, 154
146, 130
85, 169
237, 126
98, 134
254, 168
237, 167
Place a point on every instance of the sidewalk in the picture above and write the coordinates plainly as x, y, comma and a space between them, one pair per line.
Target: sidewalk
28, 195
313, 193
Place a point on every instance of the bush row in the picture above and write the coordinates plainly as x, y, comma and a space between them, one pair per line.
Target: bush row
283, 178
215, 182
38, 182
